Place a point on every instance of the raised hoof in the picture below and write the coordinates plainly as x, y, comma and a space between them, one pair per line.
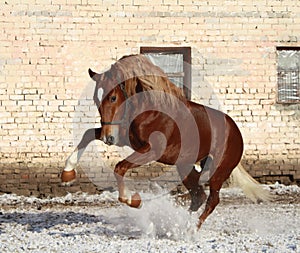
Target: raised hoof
68, 177
135, 201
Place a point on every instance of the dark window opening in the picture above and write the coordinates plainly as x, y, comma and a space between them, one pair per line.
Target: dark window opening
175, 62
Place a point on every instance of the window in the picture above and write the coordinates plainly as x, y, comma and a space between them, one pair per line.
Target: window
288, 75
175, 62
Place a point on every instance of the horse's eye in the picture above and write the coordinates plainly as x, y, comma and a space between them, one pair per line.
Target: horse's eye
113, 99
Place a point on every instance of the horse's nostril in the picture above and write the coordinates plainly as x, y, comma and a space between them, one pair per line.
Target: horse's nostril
110, 139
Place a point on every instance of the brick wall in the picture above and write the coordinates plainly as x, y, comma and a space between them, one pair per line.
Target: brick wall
46, 47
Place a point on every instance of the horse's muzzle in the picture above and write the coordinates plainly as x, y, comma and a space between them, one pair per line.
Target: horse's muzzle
109, 140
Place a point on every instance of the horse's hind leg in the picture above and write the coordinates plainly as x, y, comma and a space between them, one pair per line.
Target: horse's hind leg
212, 201
190, 179
215, 184
198, 197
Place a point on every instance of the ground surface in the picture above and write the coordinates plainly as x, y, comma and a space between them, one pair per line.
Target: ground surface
97, 223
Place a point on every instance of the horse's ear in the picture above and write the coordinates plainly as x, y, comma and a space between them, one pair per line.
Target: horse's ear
93, 75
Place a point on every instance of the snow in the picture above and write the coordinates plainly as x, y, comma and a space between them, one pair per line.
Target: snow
97, 223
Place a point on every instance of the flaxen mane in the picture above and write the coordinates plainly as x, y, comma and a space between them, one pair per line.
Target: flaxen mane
137, 69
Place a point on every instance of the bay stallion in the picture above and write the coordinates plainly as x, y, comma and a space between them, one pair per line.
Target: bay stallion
141, 108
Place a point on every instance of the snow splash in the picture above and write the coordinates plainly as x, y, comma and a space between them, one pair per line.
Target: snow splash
159, 217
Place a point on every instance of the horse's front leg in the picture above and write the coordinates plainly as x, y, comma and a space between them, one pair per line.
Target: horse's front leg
68, 175
138, 158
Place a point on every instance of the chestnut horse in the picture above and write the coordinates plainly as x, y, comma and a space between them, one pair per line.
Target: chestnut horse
141, 108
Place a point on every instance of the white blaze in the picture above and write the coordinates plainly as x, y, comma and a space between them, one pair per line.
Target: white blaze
100, 93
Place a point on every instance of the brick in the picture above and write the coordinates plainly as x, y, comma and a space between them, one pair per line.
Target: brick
16, 97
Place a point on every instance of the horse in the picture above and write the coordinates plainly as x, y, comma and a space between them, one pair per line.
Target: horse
141, 108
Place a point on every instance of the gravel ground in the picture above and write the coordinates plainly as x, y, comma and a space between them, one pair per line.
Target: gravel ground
97, 223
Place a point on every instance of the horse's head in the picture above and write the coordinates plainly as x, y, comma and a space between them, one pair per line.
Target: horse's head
141, 77
111, 106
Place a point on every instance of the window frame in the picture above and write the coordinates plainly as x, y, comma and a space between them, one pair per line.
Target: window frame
187, 61
279, 76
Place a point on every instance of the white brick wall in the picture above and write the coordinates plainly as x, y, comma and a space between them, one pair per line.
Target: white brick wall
46, 48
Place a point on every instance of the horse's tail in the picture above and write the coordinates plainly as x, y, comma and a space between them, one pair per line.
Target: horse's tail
252, 189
